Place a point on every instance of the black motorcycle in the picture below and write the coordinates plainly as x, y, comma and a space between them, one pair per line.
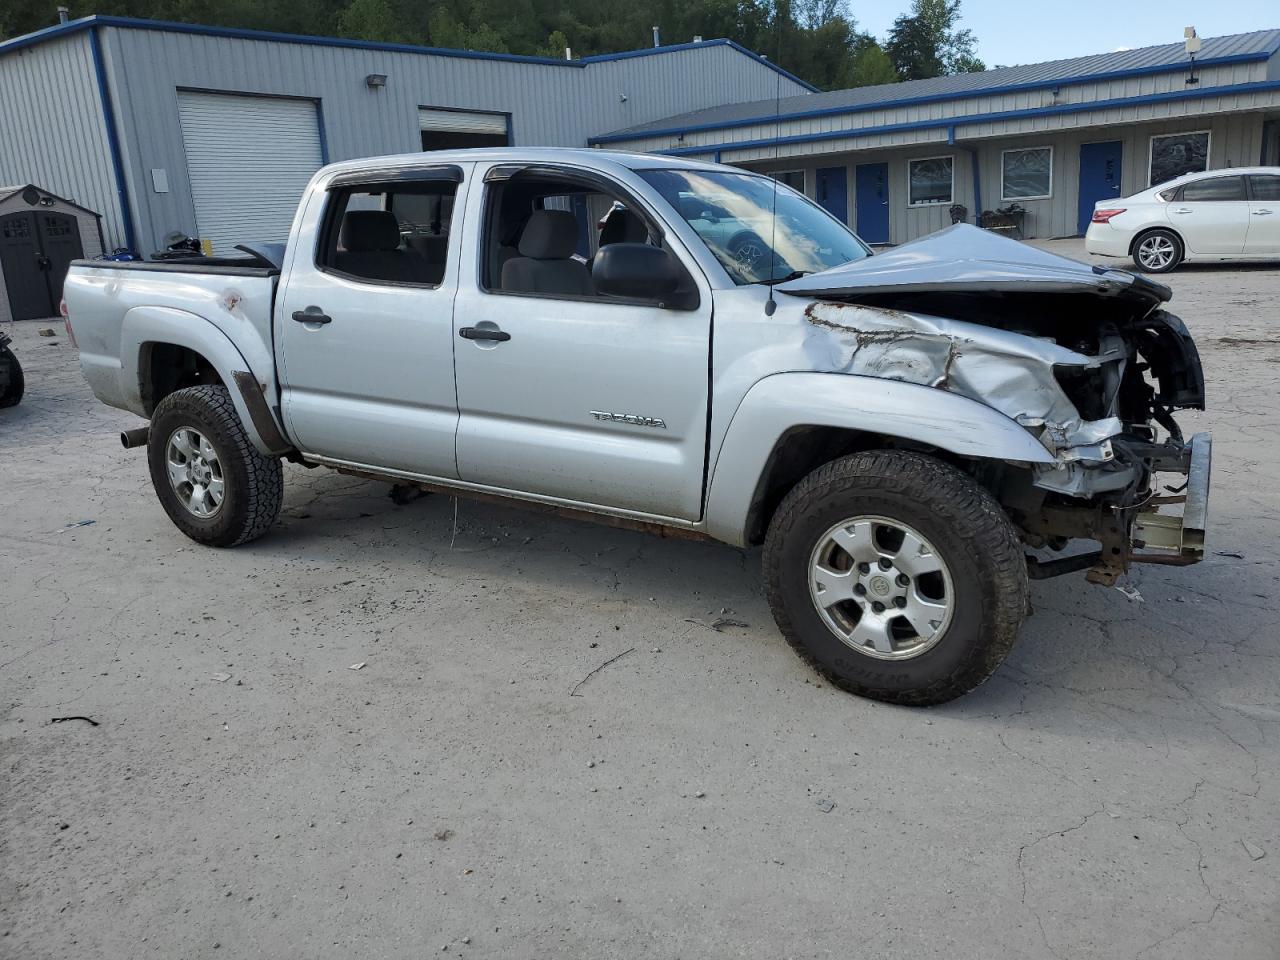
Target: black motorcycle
11, 382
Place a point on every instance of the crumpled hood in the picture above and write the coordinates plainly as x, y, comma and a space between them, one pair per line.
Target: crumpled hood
965, 258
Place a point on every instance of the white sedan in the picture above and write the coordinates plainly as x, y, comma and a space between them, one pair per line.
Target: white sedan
1229, 214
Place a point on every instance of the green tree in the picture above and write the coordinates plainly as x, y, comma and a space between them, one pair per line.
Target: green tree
927, 42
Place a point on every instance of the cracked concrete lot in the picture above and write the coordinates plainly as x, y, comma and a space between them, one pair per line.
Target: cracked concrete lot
1105, 795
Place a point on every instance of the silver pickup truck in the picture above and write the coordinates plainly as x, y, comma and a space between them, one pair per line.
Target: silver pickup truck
912, 436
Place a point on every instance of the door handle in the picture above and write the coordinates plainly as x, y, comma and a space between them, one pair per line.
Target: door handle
1182, 210
1262, 213
312, 315
476, 333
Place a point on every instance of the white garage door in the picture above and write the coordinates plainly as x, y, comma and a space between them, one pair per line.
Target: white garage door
249, 159
459, 121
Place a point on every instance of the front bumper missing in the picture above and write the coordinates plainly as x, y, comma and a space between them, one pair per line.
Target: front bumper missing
1142, 534
1179, 540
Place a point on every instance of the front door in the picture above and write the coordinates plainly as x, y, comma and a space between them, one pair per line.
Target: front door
1099, 176
21, 259
1263, 239
1211, 215
871, 199
563, 393
833, 191
364, 325
60, 238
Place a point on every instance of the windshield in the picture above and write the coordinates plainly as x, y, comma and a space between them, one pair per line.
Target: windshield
732, 213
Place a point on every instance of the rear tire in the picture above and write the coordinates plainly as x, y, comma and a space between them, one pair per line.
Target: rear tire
920, 514
17, 383
211, 480
1157, 251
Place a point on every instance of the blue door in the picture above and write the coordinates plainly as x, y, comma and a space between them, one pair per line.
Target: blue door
1099, 176
833, 191
871, 201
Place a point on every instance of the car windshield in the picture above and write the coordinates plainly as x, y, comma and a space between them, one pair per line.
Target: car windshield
733, 214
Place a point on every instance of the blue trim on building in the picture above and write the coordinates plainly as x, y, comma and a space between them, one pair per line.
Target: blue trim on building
952, 122
931, 98
129, 23
113, 139
320, 129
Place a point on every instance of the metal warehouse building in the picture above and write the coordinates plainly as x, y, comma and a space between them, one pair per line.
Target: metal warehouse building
165, 127
1053, 137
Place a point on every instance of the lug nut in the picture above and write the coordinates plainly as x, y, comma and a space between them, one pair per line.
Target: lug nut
899, 602
864, 568
904, 580
885, 563
878, 607
859, 589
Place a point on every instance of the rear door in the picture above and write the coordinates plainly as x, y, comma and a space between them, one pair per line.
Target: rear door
583, 398
364, 322
1263, 238
1212, 215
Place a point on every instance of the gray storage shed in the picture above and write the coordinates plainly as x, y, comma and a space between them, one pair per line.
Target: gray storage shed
40, 234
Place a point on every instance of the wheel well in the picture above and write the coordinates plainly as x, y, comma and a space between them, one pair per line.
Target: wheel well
803, 449
1142, 233
166, 367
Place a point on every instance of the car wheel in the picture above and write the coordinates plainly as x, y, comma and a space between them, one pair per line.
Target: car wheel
1157, 251
896, 576
17, 383
214, 484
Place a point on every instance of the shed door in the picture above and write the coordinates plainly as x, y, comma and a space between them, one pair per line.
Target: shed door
22, 262
249, 159
60, 238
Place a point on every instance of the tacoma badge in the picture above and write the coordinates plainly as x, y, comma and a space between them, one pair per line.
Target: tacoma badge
636, 419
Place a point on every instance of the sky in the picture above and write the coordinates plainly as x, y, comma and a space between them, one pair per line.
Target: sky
1010, 32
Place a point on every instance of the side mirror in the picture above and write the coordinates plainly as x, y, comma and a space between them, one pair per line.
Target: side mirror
636, 271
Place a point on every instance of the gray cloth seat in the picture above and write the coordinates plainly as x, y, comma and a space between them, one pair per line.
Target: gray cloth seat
433, 249
546, 263
370, 242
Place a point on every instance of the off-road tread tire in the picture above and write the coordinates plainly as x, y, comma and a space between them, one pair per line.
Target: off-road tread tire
1177, 244
17, 382
928, 494
255, 483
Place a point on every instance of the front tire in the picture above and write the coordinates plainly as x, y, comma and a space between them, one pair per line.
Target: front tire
211, 480
896, 576
1157, 251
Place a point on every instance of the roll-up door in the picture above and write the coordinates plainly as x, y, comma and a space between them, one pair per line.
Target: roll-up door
249, 160
450, 129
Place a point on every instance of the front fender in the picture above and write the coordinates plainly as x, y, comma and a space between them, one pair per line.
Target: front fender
784, 401
143, 325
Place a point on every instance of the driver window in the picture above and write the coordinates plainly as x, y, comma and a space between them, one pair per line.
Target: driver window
542, 235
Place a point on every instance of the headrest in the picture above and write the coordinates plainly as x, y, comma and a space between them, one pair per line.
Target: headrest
550, 235
364, 231
623, 226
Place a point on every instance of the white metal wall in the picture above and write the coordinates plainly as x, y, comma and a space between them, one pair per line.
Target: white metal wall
53, 133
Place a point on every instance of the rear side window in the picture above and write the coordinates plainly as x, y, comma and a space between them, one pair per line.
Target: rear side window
1217, 188
389, 232
1265, 187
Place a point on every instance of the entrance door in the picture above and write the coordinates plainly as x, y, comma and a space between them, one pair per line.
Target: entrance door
871, 201
36, 247
60, 238
833, 191
1099, 176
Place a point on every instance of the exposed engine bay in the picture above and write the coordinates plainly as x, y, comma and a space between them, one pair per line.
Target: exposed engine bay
1084, 358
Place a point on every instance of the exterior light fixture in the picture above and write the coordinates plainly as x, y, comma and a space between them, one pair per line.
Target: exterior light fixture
375, 81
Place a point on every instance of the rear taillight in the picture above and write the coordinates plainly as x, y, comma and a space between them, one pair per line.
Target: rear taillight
1104, 216
66, 321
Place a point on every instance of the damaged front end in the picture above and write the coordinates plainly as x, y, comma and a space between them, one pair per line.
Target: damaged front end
1084, 358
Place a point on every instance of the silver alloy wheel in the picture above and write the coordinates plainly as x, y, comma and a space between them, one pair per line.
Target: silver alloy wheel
881, 587
195, 472
1156, 252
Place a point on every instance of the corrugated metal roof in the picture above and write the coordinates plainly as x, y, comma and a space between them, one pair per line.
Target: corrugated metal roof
1256, 45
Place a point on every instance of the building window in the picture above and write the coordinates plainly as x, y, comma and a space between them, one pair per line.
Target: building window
930, 180
792, 178
1026, 174
1178, 153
